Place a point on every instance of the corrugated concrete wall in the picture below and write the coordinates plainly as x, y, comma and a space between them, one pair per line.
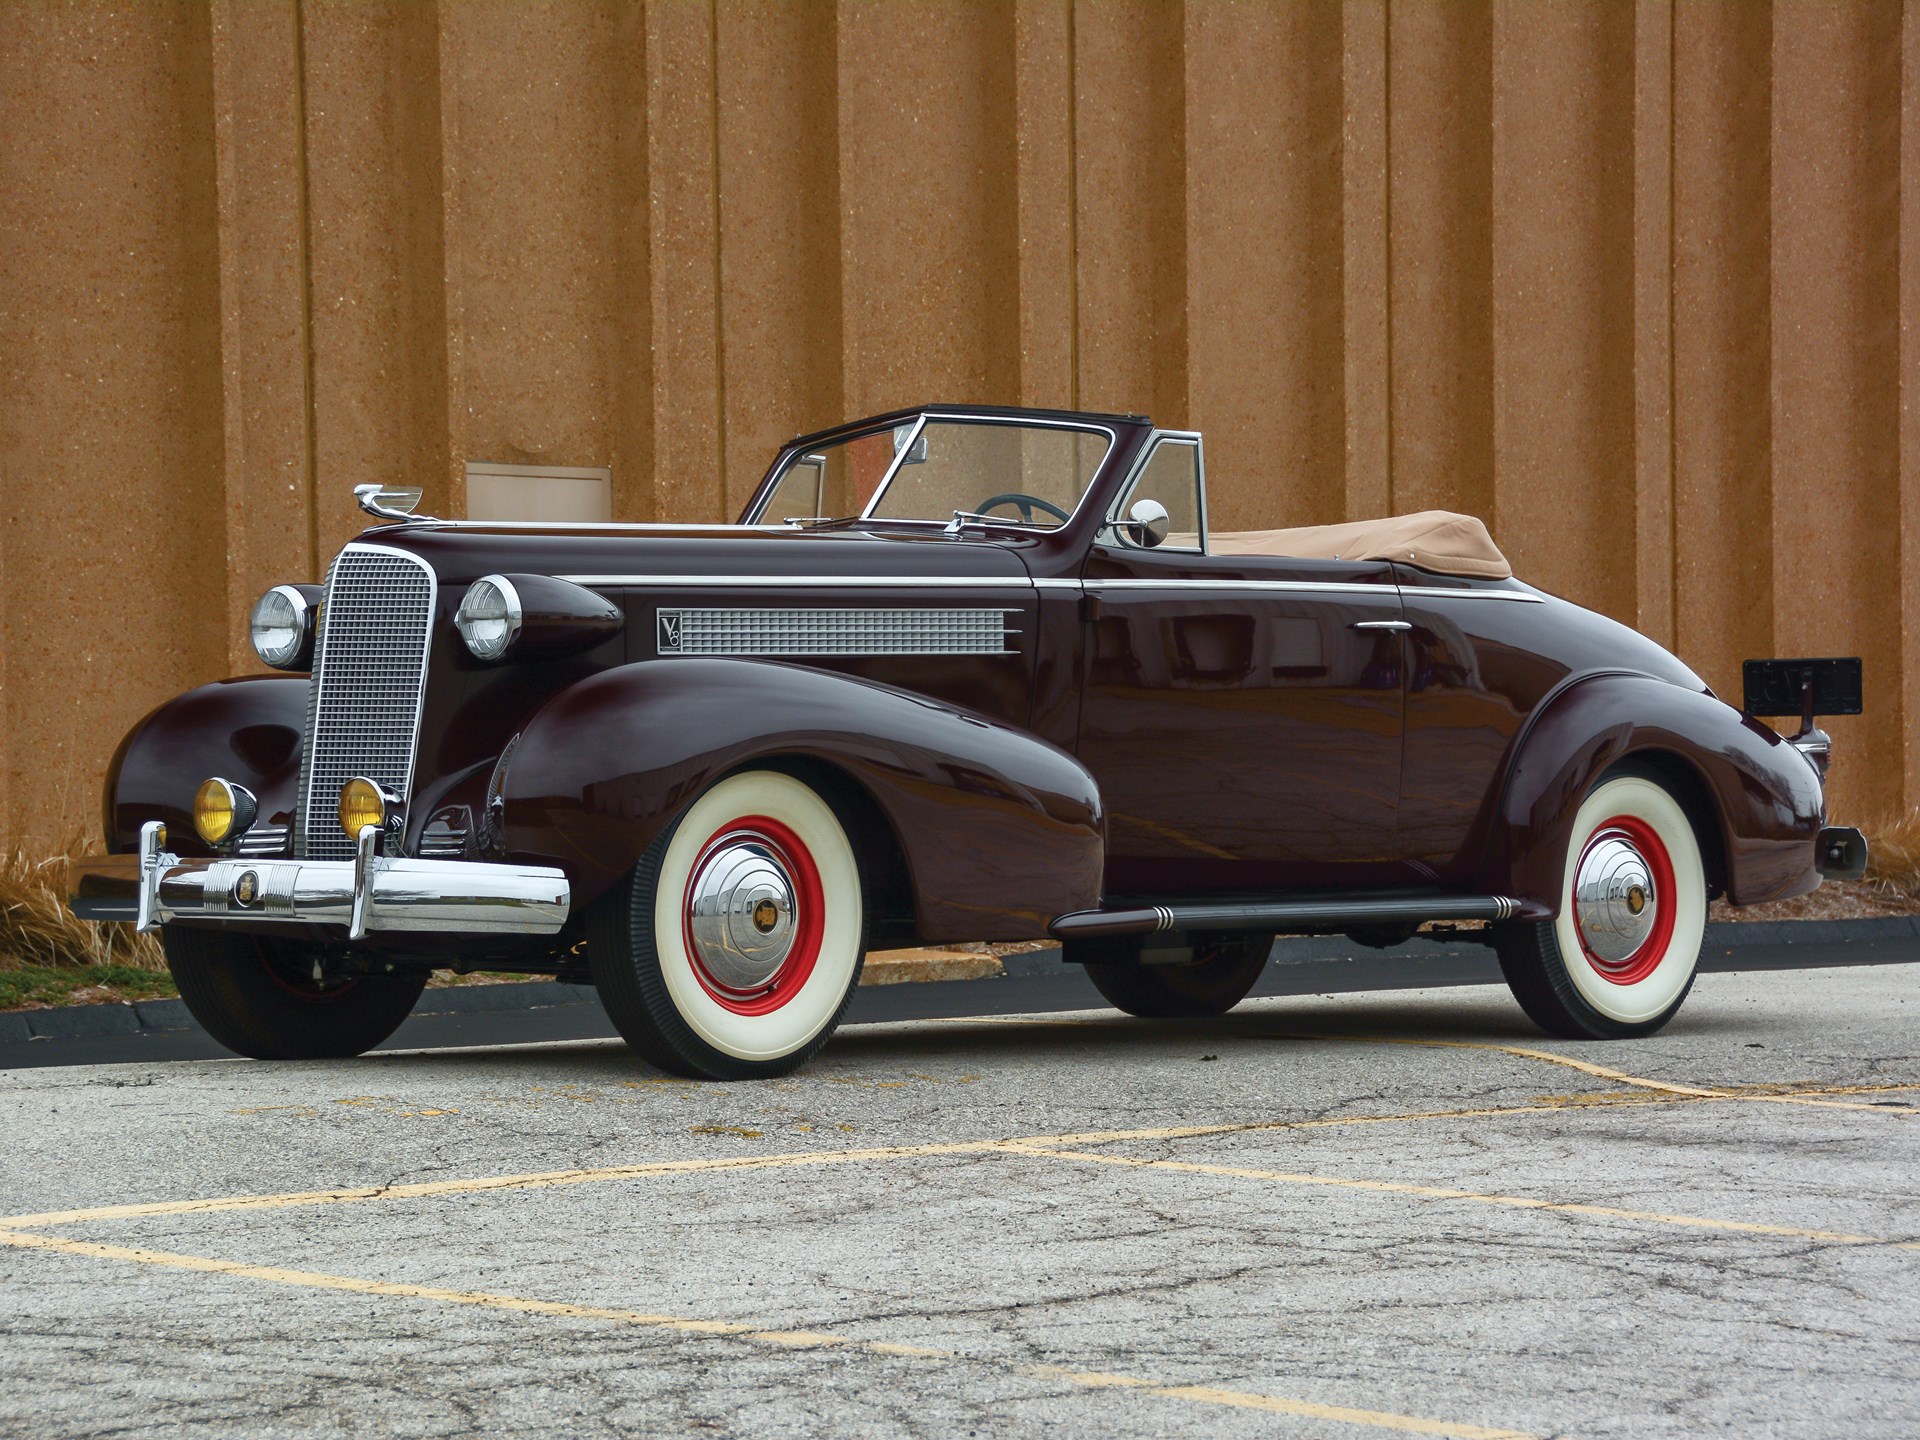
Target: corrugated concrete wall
1637, 282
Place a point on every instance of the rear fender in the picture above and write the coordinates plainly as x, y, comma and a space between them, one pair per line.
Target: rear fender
1755, 800
246, 730
999, 830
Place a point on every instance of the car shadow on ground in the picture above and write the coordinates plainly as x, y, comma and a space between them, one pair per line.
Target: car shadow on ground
1096, 1036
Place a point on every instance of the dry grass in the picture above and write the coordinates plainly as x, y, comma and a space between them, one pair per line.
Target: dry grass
1893, 857
37, 928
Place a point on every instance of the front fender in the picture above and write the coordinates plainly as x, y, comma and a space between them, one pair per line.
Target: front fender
246, 730
999, 830
1745, 787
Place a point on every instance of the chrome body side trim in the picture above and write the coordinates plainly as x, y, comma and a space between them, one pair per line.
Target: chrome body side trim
1336, 587
594, 526
1343, 587
980, 582
366, 895
807, 582
1440, 592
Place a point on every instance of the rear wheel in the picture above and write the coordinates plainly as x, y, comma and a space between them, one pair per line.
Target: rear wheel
257, 996
1218, 978
1619, 959
733, 948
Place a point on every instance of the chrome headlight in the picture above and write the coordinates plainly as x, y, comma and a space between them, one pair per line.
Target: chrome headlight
282, 628
489, 617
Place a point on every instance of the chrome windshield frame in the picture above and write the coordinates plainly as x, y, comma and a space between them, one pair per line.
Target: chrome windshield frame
920, 421
1019, 422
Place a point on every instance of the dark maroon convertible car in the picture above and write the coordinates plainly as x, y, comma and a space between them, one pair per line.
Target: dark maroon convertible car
957, 674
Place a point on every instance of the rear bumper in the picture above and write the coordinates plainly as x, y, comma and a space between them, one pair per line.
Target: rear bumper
369, 893
1841, 853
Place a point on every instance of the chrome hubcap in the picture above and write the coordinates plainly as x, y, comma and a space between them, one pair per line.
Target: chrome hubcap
1617, 905
740, 914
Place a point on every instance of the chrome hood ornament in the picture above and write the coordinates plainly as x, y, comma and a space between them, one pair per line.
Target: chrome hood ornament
390, 502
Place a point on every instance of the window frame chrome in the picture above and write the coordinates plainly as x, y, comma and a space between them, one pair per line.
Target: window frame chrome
794, 455
757, 516
1111, 531
1018, 422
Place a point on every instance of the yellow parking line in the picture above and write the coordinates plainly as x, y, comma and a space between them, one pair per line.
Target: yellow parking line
1437, 1192
602, 1174
1601, 1072
755, 1334
1547, 1056
478, 1184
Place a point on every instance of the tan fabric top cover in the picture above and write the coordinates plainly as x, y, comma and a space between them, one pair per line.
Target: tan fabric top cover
1436, 540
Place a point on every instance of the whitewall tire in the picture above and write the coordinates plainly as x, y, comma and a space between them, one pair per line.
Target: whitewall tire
1621, 955
735, 946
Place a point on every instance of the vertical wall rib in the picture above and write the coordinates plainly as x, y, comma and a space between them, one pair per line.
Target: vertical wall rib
1722, 326
1264, 259
1442, 256
1835, 353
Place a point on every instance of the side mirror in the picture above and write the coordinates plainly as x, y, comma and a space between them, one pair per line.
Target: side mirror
1147, 523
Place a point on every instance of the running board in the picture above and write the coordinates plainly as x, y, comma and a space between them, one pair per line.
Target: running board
1279, 916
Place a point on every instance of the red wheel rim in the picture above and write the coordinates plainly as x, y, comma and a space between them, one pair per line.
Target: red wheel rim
809, 907
1652, 949
291, 977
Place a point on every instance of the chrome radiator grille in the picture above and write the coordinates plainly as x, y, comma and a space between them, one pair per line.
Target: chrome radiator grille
363, 704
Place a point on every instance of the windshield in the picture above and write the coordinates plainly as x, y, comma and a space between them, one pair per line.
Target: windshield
833, 480
1032, 474
1024, 474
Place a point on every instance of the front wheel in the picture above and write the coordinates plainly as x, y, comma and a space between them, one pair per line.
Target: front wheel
1619, 959
1218, 978
733, 948
257, 996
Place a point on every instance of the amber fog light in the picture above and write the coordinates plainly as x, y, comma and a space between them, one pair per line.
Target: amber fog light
222, 810
362, 803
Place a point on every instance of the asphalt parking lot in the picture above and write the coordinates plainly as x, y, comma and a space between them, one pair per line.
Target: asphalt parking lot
1399, 1212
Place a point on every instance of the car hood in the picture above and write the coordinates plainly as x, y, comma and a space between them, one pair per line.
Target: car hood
626, 556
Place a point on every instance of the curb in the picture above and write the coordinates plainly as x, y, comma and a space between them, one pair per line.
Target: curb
90, 1022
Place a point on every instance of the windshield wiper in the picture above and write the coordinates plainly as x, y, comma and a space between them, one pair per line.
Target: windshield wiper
819, 522
974, 517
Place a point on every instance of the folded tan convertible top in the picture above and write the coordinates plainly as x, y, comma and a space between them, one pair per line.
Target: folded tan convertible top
1437, 540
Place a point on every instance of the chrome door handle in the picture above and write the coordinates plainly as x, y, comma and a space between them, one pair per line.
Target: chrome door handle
1394, 625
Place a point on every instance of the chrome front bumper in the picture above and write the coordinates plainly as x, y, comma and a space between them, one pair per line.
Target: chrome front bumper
369, 893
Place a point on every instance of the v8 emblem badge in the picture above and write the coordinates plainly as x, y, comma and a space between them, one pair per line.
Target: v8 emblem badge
667, 640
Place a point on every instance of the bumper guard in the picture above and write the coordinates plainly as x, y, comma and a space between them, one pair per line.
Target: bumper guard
367, 893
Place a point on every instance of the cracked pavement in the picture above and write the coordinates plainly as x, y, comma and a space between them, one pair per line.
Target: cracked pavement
1338, 1216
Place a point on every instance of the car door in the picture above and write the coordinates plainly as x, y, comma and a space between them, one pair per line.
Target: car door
1242, 713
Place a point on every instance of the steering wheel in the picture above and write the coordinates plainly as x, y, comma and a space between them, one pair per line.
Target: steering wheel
1027, 504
